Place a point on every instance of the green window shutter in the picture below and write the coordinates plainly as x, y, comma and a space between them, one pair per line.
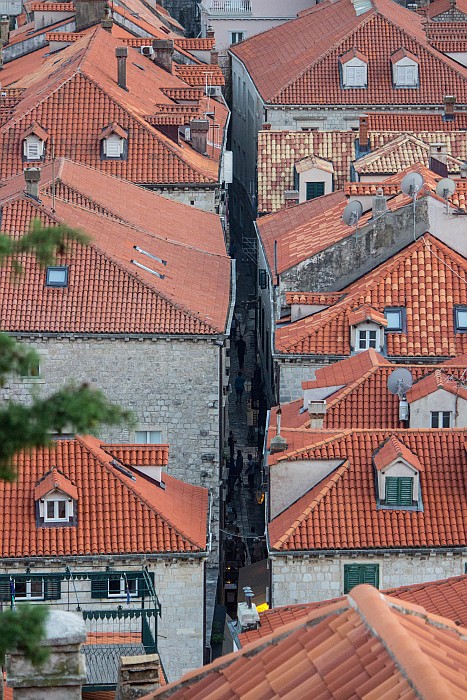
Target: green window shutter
52, 589
5, 588
371, 574
406, 490
99, 588
392, 490
314, 189
355, 574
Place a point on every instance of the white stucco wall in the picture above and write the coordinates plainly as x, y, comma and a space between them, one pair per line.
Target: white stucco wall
440, 400
314, 175
288, 481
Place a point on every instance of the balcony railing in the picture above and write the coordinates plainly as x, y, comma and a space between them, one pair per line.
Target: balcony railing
229, 7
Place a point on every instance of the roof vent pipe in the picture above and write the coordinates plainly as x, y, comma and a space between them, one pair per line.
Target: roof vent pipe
278, 443
121, 52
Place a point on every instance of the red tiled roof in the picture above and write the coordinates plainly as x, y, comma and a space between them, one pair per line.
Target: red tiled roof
439, 7
55, 480
200, 75
363, 401
415, 278
392, 450
415, 123
366, 313
432, 382
192, 298
291, 63
136, 516
366, 646
346, 500
312, 298
80, 85
195, 44
280, 151
445, 598
141, 455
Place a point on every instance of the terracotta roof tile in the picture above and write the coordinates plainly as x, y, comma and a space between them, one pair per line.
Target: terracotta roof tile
192, 297
434, 381
280, 151
55, 480
172, 519
409, 279
366, 313
392, 450
363, 401
317, 38
367, 645
350, 490
445, 598
200, 75
80, 85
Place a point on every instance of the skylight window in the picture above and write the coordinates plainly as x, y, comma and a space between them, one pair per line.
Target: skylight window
395, 318
57, 276
461, 319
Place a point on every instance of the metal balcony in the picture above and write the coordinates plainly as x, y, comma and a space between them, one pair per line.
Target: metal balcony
228, 8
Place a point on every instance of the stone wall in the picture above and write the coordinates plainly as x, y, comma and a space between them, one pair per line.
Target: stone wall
186, 12
292, 374
303, 580
170, 385
179, 586
206, 199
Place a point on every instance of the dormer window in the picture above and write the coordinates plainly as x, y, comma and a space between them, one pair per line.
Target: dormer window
114, 141
398, 476
366, 329
405, 69
34, 140
56, 500
354, 69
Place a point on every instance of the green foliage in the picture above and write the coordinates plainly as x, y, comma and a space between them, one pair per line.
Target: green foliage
44, 242
80, 409
23, 629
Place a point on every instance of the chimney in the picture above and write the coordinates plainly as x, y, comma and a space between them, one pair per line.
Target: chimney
163, 53
317, 411
32, 177
210, 33
214, 58
464, 171
199, 135
247, 615
137, 676
449, 107
5, 30
438, 159
278, 443
379, 205
121, 53
266, 126
107, 21
363, 132
292, 197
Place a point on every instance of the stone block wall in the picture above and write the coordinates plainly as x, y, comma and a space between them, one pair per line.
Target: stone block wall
292, 374
205, 199
304, 580
170, 385
186, 12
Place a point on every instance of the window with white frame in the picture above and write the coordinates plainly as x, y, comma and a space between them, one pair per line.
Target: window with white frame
367, 339
405, 73
148, 437
355, 73
120, 586
33, 147
441, 419
29, 589
236, 37
55, 509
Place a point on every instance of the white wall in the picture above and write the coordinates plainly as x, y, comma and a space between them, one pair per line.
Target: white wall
440, 400
314, 175
291, 480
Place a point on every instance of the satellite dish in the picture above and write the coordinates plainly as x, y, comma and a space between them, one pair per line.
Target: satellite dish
411, 184
400, 381
352, 213
445, 188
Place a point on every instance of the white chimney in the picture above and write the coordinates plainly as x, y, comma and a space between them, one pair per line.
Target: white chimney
317, 411
247, 615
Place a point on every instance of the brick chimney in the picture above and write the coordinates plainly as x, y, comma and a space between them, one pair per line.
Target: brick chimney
5, 30
163, 53
363, 132
449, 107
439, 151
210, 33
199, 135
121, 52
32, 177
214, 58
266, 126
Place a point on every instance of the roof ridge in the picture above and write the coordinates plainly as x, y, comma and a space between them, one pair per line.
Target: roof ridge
325, 54
331, 480
95, 451
313, 445
352, 385
374, 611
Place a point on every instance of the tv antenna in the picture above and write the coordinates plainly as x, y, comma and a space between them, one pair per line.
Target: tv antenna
352, 214
445, 189
399, 382
411, 186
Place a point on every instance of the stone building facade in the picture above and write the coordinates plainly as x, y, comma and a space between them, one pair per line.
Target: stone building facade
186, 12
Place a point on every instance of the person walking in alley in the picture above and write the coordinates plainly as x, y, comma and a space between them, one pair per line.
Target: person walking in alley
231, 443
241, 350
239, 467
239, 387
250, 471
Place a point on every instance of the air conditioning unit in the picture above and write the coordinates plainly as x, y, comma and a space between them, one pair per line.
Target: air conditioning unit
213, 90
147, 51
